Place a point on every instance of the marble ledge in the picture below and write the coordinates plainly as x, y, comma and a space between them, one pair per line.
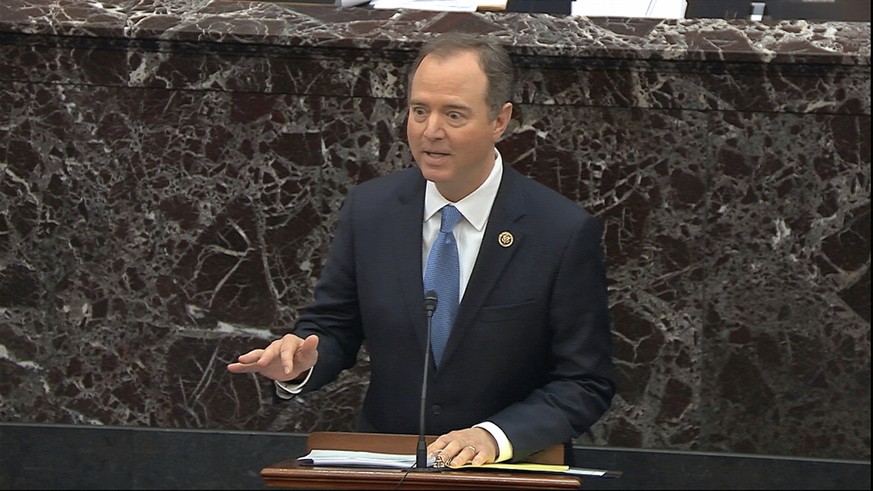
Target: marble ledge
234, 22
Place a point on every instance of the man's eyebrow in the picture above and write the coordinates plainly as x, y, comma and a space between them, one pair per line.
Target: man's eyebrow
459, 107
453, 107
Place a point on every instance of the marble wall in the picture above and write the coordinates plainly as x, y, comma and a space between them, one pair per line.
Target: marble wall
170, 171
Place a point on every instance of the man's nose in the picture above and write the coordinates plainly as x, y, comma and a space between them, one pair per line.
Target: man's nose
433, 127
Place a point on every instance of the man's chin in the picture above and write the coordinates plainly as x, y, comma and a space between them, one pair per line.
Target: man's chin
433, 174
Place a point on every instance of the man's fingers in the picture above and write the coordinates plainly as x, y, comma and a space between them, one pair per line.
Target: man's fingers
298, 355
246, 363
469, 446
251, 357
307, 355
288, 356
243, 368
287, 350
480, 459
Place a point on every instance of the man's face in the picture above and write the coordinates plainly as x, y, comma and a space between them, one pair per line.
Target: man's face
450, 133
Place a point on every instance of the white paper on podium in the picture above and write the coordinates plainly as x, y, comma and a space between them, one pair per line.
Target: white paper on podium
437, 5
561, 469
656, 9
352, 458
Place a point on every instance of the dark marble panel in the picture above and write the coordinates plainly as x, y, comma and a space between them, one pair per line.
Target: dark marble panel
552, 80
159, 224
170, 172
786, 341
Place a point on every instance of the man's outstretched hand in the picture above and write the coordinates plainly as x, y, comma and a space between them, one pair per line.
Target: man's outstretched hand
283, 360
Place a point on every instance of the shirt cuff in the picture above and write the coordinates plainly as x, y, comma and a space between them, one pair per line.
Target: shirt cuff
504, 446
287, 390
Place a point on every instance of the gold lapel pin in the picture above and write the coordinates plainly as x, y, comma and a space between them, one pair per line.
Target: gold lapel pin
505, 239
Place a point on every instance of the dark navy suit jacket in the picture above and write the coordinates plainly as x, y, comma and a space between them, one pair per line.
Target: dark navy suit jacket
531, 346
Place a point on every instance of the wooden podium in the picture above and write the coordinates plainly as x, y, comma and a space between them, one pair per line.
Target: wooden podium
290, 474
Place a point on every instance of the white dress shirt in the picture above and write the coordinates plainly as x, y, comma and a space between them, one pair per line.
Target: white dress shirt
475, 207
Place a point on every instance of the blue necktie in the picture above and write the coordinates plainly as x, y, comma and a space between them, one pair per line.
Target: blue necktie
443, 275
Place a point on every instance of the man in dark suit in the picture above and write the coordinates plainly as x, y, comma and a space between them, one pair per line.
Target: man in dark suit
527, 363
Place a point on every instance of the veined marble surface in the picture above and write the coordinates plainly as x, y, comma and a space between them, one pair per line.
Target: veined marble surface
170, 171
230, 22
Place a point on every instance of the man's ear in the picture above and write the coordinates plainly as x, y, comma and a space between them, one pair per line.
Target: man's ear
501, 122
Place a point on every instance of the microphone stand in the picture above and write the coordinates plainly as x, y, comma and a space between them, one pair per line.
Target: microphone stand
430, 305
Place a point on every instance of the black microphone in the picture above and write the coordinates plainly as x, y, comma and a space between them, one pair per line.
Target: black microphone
430, 304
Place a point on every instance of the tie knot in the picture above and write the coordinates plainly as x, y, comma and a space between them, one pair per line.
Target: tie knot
450, 217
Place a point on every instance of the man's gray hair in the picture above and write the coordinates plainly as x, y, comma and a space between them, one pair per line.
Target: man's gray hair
493, 59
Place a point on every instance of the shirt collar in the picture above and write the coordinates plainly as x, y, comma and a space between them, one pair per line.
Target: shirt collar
476, 206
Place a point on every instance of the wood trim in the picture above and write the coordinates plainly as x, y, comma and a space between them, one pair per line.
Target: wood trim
288, 474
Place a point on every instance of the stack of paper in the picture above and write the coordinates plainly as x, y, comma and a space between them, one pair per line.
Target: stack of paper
349, 458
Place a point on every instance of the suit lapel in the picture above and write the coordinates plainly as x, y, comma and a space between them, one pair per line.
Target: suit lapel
493, 257
406, 225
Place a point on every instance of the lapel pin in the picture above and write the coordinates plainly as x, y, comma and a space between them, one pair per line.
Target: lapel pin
505, 239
